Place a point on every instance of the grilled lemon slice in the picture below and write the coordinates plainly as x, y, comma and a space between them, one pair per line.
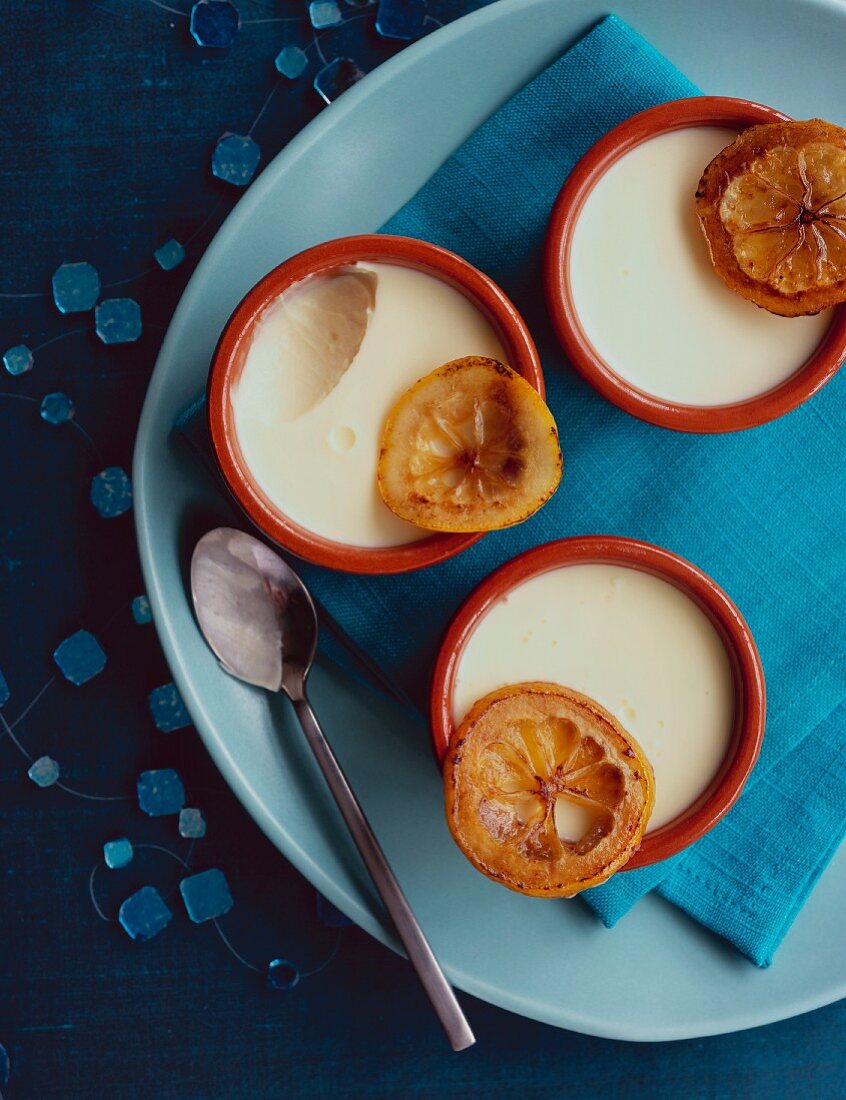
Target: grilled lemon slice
772, 206
522, 755
470, 447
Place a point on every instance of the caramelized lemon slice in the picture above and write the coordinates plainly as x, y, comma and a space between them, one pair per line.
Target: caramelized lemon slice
523, 755
470, 447
772, 206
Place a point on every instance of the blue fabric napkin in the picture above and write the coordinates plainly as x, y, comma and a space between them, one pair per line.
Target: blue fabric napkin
762, 511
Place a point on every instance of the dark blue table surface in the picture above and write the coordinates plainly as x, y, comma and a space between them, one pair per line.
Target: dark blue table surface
110, 113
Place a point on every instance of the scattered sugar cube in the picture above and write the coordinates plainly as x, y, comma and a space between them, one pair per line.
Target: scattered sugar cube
141, 610
111, 492
192, 824
291, 61
18, 360
160, 792
235, 159
118, 320
76, 287
117, 853
80, 657
169, 255
324, 13
44, 771
206, 895
57, 408
214, 23
167, 709
144, 914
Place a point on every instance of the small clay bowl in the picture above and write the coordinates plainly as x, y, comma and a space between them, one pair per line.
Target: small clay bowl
747, 673
677, 115
230, 355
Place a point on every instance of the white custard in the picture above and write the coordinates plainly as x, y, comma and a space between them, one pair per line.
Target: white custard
648, 298
309, 423
633, 642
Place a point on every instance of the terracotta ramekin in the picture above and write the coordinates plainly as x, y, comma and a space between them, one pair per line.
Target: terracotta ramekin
748, 675
230, 355
677, 115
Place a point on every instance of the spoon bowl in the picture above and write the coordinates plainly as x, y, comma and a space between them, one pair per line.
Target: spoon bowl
254, 611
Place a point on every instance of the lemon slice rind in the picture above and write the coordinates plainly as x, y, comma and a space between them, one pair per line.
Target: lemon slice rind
772, 207
521, 749
469, 447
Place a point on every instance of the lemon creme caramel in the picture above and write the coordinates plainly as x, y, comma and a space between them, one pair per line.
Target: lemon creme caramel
647, 296
326, 362
634, 643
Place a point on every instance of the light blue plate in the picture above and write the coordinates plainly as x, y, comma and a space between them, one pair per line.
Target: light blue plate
657, 975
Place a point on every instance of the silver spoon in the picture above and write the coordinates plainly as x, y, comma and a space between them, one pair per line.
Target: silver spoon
259, 620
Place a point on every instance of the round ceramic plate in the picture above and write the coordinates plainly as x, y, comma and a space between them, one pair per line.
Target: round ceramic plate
347, 172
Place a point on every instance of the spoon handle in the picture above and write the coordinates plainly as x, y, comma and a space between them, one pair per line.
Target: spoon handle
416, 945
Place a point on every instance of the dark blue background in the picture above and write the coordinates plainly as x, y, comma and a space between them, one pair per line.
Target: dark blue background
109, 116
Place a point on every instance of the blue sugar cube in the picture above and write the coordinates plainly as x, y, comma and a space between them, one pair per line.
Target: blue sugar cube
235, 159
117, 853
141, 610
18, 360
57, 408
160, 792
206, 895
111, 492
80, 657
169, 255
214, 23
144, 914
336, 77
328, 915
282, 974
167, 708
5, 1066
44, 771
192, 824
324, 13
4, 690
118, 320
404, 19
76, 288
291, 61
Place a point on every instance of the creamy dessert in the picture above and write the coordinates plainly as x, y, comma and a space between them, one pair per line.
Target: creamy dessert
325, 364
634, 643
647, 297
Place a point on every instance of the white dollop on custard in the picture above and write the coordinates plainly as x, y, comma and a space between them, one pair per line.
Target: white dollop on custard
633, 642
326, 362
